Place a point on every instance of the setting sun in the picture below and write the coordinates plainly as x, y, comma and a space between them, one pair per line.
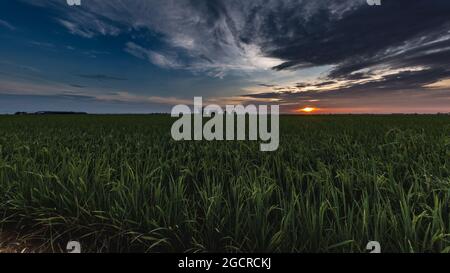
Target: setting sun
307, 109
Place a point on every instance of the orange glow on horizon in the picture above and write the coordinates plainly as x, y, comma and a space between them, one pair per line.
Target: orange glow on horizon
307, 110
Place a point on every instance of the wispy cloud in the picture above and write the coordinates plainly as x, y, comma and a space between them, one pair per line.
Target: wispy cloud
77, 92
7, 25
42, 44
101, 77
159, 59
199, 36
78, 85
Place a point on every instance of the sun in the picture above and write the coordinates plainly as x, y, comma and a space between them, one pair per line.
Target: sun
307, 109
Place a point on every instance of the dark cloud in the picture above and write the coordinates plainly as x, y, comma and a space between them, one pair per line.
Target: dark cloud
358, 76
380, 55
76, 97
267, 85
405, 80
402, 81
396, 35
78, 86
101, 77
302, 85
361, 35
325, 83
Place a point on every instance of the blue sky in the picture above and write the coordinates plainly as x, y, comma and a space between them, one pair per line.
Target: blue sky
142, 56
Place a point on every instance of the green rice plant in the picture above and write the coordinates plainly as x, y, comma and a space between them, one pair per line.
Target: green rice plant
121, 184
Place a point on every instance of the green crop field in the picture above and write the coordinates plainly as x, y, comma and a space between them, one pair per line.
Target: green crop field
120, 183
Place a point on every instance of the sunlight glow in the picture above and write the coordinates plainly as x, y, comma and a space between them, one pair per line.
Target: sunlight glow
307, 109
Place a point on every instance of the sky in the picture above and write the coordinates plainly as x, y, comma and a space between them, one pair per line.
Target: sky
145, 56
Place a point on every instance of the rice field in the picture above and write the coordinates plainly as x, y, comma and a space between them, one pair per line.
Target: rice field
121, 184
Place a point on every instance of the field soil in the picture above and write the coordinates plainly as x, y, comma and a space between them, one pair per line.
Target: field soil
11, 242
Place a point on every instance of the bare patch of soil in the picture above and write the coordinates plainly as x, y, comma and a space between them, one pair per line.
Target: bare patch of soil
11, 242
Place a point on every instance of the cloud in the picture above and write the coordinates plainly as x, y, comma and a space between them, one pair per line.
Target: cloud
389, 50
91, 25
54, 89
62, 90
408, 90
198, 36
159, 59
441, 84
101, 77
245, 35
267, 85
42, 44
77, 86
7, 25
